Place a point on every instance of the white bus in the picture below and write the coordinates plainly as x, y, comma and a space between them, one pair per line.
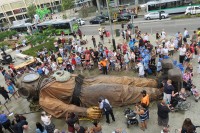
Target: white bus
68, 26
169, 6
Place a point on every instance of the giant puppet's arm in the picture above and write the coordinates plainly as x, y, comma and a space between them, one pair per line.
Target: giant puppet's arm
54, 106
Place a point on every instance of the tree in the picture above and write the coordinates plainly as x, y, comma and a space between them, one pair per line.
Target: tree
31, 11
67, 4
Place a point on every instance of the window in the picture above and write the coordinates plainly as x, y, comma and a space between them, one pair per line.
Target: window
62, 26
9, 13
153, 7
197, 8
171, 4
163, 5
1, 15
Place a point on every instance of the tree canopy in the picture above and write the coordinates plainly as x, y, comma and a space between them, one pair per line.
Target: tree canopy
67, 4
31, 11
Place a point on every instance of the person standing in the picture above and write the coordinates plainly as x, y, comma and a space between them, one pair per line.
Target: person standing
40, 128
71, 119
79, 129
107, 108
141, 69
194, 37
168, 91
188, 126
145, 98
103, 63
185, 35
142, 111
5, 122
4, 93
46, 119
94, 41
182, 52
96, 128
163, 114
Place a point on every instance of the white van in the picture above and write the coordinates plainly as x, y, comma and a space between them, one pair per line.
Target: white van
192, 10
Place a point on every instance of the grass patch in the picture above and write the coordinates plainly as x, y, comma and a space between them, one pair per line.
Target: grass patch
185, 16
33, 51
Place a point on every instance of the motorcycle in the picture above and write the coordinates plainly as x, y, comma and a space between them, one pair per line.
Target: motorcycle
131, 117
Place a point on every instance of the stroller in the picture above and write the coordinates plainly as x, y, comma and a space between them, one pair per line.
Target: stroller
131, 117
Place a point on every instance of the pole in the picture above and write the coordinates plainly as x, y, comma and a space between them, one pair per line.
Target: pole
113, 40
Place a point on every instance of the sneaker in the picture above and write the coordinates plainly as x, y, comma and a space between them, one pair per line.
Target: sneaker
196, 100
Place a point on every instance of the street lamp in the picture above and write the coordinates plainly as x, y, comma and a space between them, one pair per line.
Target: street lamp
113, 40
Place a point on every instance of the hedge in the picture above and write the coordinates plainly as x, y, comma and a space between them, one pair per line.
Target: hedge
6, 34
185, 16
33, 51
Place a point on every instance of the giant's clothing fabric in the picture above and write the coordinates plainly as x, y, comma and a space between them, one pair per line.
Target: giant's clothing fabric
55, 97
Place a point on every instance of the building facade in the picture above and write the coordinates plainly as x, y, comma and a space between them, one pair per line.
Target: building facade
12, 10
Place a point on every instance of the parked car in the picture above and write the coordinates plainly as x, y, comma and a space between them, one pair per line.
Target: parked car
128, 15
103, 17
122, 18
155, 15
192, 10
97, 20
80, 21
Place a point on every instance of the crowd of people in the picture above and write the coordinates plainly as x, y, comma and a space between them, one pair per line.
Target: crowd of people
133, 54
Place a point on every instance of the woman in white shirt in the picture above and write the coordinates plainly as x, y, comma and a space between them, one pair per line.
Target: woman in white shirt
182, 52
171, 48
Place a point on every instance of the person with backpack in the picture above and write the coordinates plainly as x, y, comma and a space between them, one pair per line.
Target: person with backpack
107, 108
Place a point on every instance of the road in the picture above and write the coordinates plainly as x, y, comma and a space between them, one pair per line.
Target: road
171, 26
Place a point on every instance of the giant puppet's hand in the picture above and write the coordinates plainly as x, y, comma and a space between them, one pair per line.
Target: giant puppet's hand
94, 113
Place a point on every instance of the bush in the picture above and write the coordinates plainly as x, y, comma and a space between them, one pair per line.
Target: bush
33, 51
185, 16
4, 44
5, 34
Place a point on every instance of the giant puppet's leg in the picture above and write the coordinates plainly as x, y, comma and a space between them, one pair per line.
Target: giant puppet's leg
124, 80
117, 94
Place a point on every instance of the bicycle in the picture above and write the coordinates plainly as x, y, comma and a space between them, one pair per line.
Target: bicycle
182, 105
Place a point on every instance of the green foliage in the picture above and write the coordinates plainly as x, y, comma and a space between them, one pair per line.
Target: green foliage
33, 51
6, 34
31, 11
42, 12
38, 38
67, 4
85, 11
4, 44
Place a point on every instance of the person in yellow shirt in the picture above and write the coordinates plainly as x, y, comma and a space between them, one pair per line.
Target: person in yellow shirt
59, 60
103, 63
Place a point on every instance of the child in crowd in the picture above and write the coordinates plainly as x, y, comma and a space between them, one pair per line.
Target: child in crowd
117, 65
195, 93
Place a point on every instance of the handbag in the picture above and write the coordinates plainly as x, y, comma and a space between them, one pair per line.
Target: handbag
187, 36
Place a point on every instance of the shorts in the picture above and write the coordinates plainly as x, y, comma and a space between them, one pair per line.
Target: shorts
163, 122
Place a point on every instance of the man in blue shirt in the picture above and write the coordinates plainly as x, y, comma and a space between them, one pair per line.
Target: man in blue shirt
5, 122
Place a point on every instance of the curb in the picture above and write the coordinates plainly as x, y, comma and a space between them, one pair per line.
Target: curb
91, 25
149, 21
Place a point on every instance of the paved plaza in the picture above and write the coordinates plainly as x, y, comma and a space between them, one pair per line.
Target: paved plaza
21, 106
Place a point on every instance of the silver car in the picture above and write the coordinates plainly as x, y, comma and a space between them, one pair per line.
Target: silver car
155, 15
